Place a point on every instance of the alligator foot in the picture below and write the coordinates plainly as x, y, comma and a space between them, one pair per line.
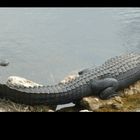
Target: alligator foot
105, 88
108, 93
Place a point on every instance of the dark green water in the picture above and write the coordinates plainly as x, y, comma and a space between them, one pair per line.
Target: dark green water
46, 44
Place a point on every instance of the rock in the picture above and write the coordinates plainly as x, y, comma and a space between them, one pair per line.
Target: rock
4, 63
69, 78
85, 110
118, 99
9, 106
117, 106
15, 81
136, 110
50, 110
131, 90
91, 103
95, 104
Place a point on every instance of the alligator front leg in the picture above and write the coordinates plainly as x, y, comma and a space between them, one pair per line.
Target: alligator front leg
105, 88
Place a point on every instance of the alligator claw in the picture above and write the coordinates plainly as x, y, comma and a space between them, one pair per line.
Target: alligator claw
105, 88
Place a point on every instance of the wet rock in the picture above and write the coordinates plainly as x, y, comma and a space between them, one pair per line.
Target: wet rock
4, 63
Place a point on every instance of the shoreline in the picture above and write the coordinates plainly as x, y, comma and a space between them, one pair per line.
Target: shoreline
127, 100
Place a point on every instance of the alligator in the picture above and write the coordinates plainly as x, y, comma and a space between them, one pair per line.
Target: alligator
103, 81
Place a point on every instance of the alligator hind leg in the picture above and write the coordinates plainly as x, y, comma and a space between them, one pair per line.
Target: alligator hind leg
108, 93
106, 88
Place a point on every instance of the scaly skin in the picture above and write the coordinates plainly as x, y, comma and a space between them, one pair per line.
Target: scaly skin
103, 81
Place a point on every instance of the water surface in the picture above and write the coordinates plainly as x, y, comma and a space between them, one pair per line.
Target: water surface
46, 44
